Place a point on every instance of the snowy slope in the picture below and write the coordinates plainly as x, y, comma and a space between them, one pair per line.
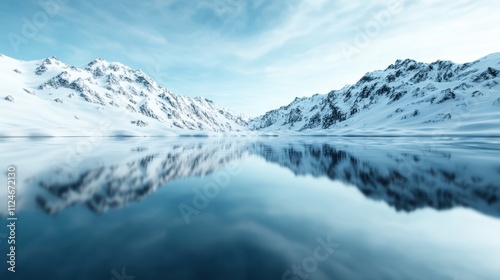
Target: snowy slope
50, 98
408, 97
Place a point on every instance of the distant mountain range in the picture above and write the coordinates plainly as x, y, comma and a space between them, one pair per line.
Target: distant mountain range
408, 97
51, 98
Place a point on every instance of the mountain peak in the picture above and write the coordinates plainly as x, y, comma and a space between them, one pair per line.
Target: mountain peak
96, 61
78, 99
407, 95
51, 60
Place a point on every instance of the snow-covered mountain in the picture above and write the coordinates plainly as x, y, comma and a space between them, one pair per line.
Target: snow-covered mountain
49, 97
408, 97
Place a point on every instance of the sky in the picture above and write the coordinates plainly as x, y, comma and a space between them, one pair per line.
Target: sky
251, 56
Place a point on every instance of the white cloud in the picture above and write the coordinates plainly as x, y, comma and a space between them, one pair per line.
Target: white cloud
240, 53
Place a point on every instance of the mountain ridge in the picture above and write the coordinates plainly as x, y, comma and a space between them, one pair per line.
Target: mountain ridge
72, 101
399, 95
406, 98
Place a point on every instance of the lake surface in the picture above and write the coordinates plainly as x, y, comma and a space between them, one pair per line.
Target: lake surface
254, 208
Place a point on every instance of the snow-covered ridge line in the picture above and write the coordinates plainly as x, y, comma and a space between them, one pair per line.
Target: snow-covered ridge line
408, 97
50, 98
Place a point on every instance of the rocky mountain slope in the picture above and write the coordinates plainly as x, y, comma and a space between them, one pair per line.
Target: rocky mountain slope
406, 98
49, 97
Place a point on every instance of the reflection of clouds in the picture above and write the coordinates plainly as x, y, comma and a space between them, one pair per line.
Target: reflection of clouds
252, 246
261, 226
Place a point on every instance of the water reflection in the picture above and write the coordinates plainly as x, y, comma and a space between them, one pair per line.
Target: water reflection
267, 222
405, 176
132, 178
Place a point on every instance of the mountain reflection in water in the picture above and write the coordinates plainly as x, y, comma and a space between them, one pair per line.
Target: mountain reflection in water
407, 177
94, 209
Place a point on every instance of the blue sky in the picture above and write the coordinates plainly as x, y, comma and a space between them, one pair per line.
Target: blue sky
251, 56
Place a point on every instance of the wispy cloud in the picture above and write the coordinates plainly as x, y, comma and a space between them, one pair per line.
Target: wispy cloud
241, 52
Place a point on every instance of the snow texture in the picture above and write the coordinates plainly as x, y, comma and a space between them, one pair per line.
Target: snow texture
51, 98
407, 98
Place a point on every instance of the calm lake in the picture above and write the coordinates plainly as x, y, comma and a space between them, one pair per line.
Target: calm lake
253, 208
